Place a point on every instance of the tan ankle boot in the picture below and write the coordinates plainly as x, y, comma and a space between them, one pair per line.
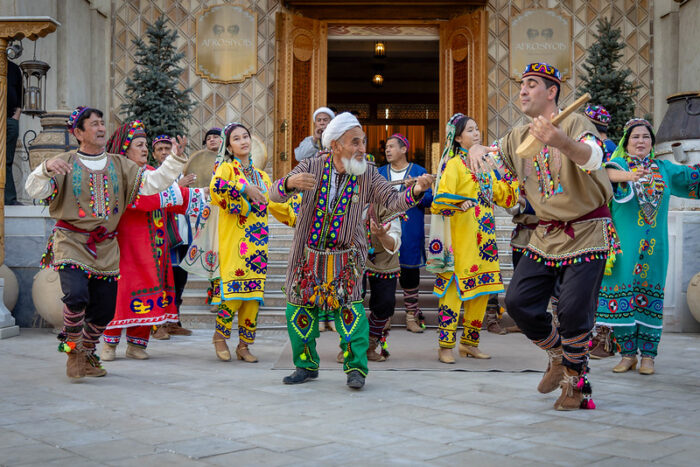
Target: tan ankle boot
220, 347
322, 326
412, 324
109, 352
646, 367
93, 367
176, 329
491, 323
372, 354
445, 355
75, 365
555, 371
330, 326
340, 358
601, 344
626, 364
571, 395
161, 333
242, 353
472, 351
136, 352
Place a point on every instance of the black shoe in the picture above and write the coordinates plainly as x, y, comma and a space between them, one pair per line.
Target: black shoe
355, 379
300, 375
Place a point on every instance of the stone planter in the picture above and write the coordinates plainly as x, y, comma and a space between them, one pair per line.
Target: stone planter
53, 139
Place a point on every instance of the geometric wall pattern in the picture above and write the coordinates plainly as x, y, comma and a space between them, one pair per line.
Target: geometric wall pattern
633, 17
252, 101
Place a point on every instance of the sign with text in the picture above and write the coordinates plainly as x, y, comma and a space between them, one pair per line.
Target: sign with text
541, 35
226, 44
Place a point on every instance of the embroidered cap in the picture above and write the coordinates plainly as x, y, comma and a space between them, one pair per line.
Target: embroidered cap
598, 114
74, 116
543, 70
161, 139
636, 122
401, 138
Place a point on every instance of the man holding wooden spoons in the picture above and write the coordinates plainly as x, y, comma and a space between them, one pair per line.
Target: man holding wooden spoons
559, 167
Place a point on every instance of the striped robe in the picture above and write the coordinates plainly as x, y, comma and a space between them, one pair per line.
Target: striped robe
373, 188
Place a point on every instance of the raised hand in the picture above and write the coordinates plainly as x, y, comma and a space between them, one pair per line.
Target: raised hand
58, 166
301, 181
179, 145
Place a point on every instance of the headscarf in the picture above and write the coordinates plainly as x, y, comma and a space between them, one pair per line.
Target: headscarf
161, 139
122, 138
324, 110
440, 258
212, 131
337, 128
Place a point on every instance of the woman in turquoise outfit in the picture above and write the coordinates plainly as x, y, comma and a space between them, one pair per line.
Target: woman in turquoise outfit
632, 297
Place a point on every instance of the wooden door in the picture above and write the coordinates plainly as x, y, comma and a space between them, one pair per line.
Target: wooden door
463, 71
301, 51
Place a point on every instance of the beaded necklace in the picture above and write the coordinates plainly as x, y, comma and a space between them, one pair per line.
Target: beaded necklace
545, 181
98, 184
650, 189
483, 179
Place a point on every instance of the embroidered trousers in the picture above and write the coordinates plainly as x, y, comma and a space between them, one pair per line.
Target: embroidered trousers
89, 305
351, 324
247, 319
135, 335
528, 296
449, 308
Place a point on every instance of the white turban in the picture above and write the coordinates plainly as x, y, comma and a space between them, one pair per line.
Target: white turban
337, 127
324, 110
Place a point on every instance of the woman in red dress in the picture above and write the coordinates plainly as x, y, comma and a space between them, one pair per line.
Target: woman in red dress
145, 293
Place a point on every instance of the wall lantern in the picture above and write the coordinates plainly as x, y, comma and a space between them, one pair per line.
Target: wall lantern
34, 99
379, 49
378, 80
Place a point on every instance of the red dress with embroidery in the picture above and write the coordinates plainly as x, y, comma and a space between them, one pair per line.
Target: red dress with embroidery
145, 294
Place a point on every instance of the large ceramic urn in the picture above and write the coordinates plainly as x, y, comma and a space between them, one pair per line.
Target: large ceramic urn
678, 140
53, 139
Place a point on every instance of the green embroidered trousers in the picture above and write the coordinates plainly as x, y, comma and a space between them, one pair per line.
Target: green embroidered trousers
351, 324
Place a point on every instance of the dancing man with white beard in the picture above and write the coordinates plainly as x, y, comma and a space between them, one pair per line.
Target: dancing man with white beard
327, 257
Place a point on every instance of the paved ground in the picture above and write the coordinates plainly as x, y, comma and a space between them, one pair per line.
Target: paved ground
183, 407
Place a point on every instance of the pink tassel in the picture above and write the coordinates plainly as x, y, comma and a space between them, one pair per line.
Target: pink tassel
579, 385
591, 404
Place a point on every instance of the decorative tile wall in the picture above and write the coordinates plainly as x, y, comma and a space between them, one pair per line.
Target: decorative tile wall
634, 17
250, 102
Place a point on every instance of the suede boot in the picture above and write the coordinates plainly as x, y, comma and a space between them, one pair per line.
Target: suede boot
176, 329
445, 355
93, 367
646, 367
555, 371
491, 323
136, 352
161, 333
601, 344
372, 354
571, 391
627, 363
472, 351
109, 352
75, 365
412, 324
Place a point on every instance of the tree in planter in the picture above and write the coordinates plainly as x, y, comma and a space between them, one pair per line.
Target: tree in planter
153, 93
607, 81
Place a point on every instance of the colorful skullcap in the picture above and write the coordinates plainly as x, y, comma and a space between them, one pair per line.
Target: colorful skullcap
212, 131
401, 138
122, 138
543, 70
74, 116
598, 115
161, 139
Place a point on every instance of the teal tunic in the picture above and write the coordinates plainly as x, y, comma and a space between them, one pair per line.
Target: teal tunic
631, 299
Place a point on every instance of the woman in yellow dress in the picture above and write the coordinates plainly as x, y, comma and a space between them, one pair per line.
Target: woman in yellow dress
240, 191
469, 272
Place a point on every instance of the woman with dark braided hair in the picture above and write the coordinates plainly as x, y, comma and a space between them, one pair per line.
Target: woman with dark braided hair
146, 291
631, 298
467, 276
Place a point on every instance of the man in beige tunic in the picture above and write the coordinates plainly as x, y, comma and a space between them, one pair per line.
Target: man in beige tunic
327, 258
87, 191
569, 192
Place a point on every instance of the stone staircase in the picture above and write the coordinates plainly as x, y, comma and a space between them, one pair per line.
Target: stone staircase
195, 312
